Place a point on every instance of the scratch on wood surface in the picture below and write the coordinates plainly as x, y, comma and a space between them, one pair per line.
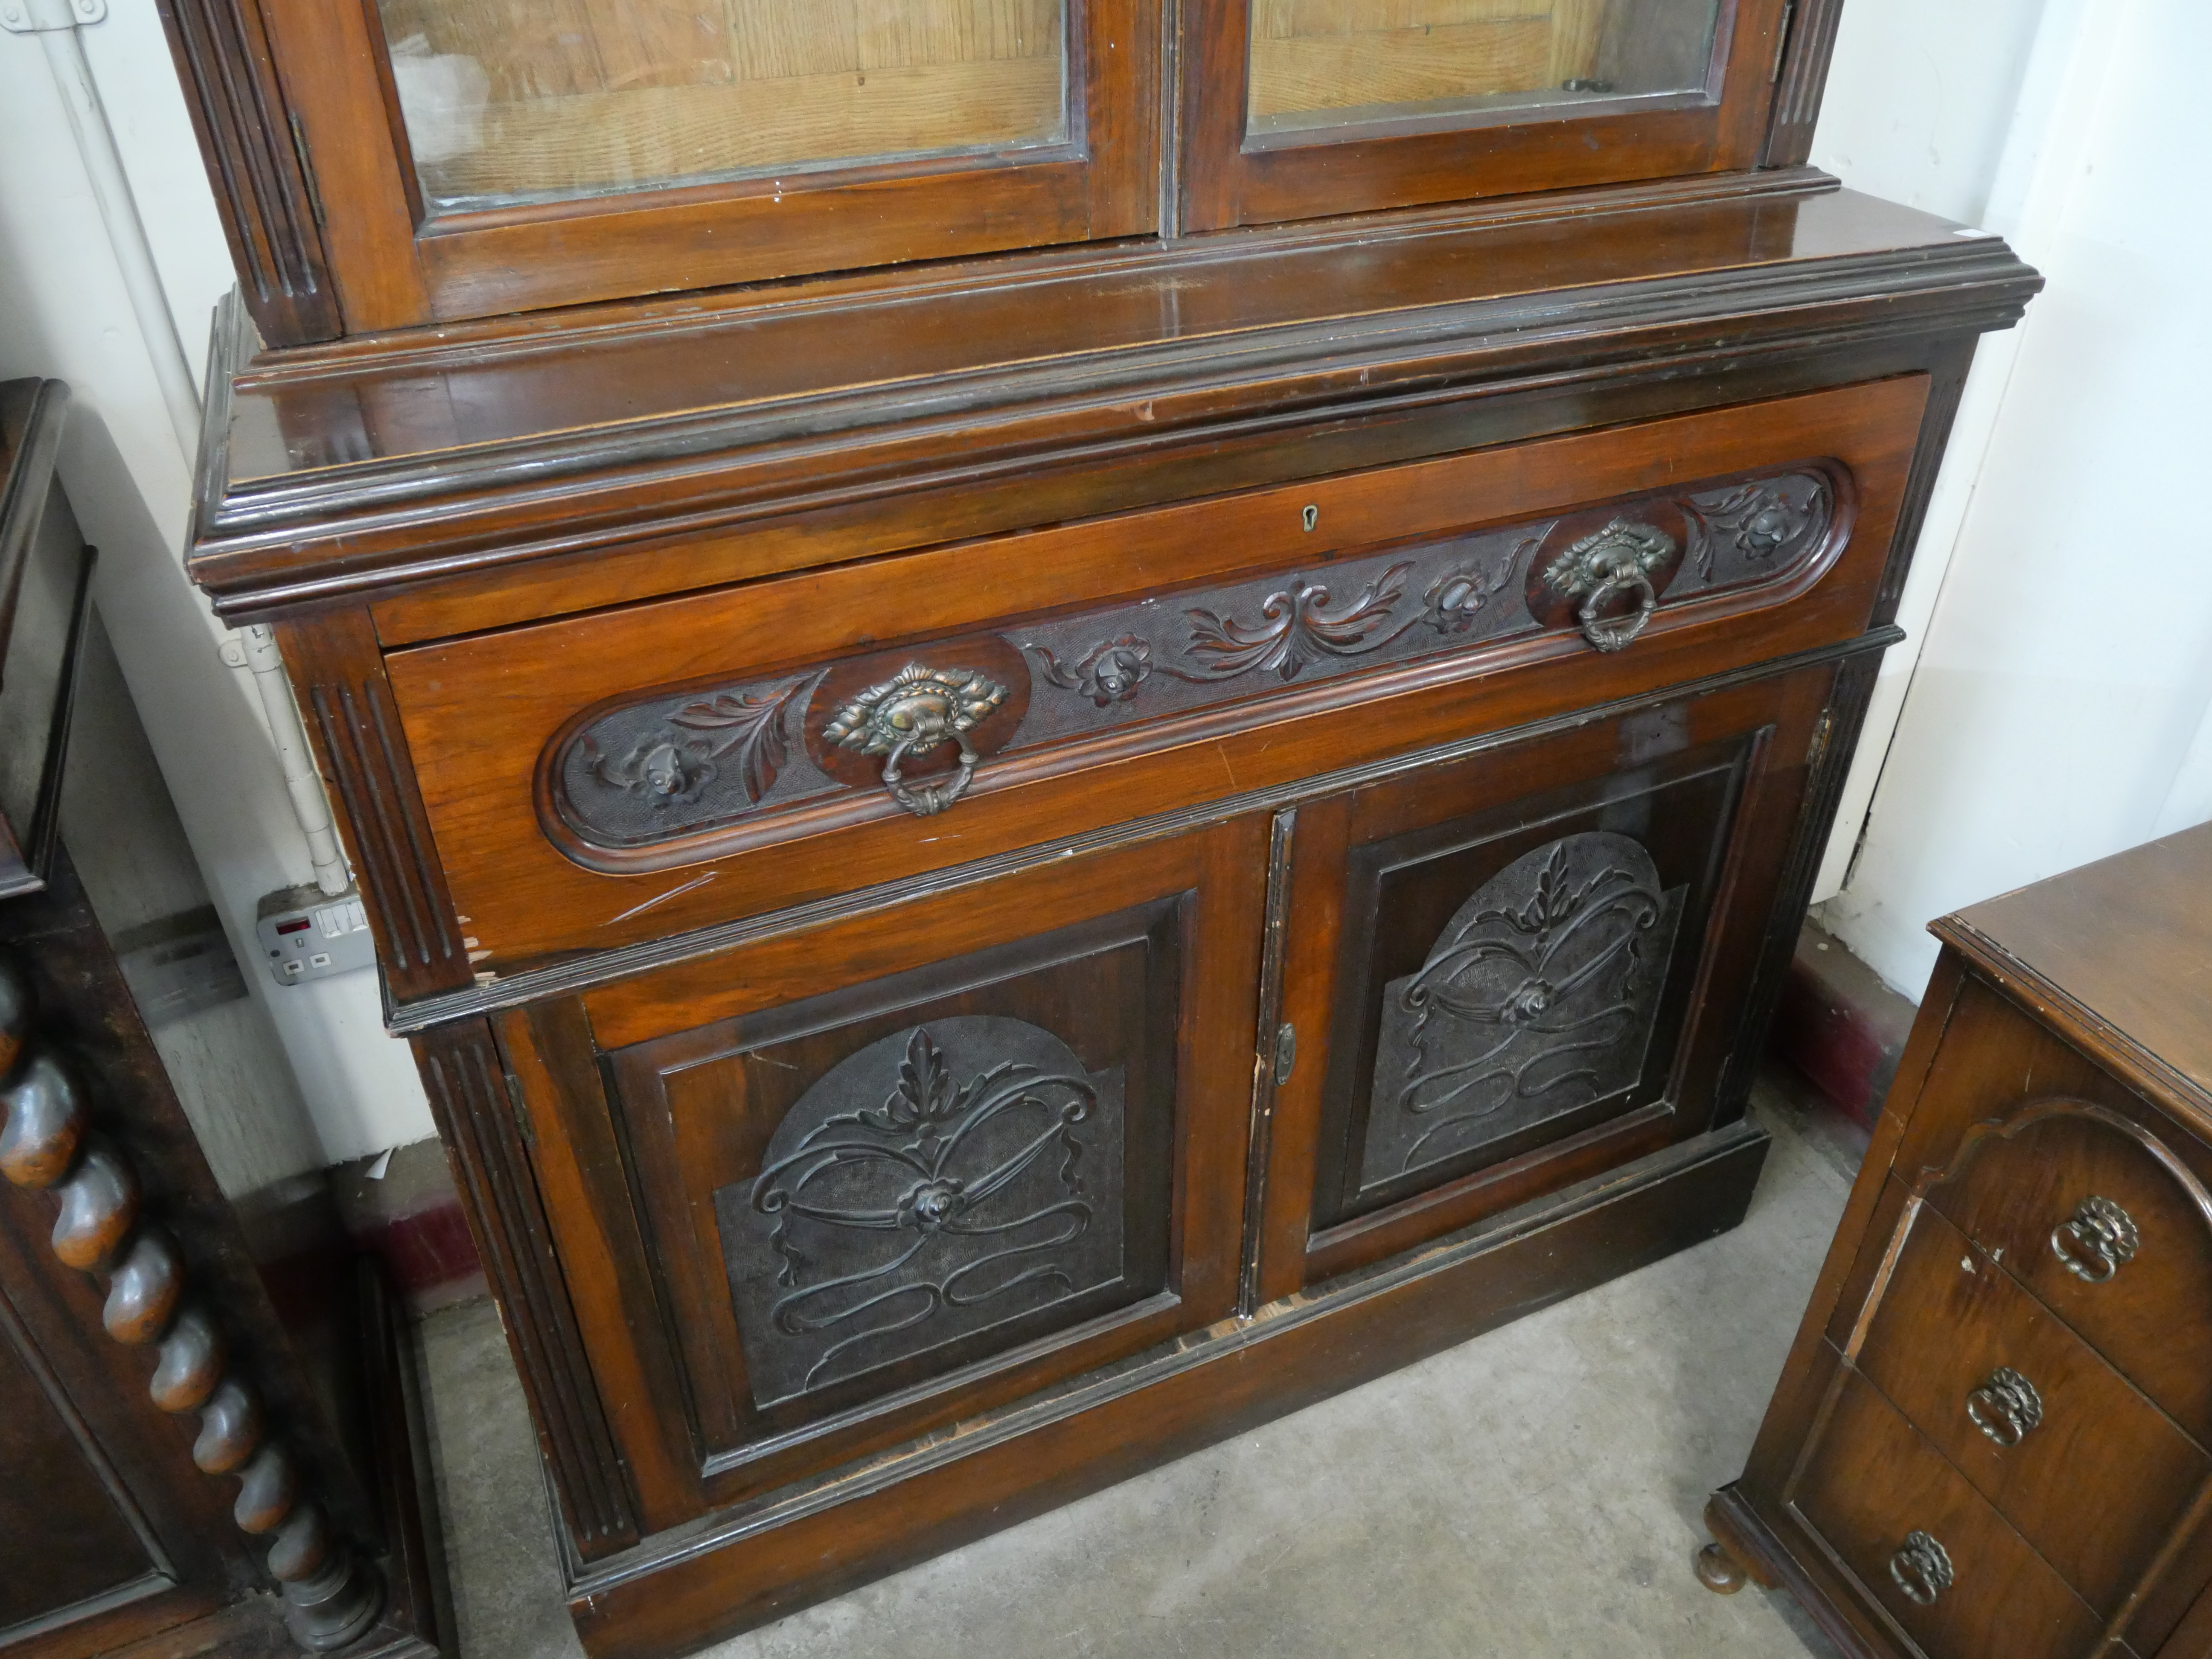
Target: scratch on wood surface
1228, 765
662, 898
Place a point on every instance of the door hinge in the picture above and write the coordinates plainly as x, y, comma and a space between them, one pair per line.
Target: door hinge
1286, 1052
307, 170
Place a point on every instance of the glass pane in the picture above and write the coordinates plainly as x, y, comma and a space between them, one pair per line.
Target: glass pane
1343, 63
536, 100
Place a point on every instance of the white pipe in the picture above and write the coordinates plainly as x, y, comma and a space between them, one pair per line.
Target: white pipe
56, 23
309, 805
56, 27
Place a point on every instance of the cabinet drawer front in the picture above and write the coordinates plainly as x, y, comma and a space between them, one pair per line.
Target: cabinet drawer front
1923, 1544
588, 779
2099, 1217
2088, 1470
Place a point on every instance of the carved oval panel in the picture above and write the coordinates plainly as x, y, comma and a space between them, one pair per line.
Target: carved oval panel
1539, 996
674, 763
944, 1179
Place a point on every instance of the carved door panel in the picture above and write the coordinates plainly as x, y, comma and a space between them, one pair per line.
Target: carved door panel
892, 1169
1508, 973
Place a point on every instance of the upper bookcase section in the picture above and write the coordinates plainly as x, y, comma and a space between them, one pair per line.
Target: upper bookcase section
385, 164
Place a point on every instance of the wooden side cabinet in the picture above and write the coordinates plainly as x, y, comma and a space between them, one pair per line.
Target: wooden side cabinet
209, 1436
1990, 1436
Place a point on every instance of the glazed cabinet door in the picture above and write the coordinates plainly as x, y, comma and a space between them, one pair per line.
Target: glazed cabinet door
818, 1193
1507, 973
474, 157
1298, 108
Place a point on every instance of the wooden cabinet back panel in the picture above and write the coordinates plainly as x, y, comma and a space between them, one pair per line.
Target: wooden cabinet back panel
563, 765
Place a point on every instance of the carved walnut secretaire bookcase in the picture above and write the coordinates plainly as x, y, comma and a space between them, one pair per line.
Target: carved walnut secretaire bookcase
1066, 720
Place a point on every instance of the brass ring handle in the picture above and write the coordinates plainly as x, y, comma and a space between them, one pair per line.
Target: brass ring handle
1613, 633
2006, 1407
926, 800
1921, 1568
2097, 1241
916, 710
1620, 558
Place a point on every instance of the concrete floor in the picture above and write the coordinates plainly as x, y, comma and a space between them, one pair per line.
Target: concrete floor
1535, 1491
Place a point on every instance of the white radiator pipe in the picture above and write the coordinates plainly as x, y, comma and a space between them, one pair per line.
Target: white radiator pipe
56, 22
309, 805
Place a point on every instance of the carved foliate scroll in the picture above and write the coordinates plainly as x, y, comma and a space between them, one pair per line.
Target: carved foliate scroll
672, 762
1539, 997
945, 1179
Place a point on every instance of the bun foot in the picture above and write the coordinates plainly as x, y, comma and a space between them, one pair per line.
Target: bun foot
1719, 1571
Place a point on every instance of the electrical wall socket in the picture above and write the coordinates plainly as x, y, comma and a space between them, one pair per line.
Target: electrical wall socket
306, 933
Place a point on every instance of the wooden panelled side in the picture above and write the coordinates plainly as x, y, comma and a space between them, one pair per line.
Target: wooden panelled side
126, 1293
482, 1128
82, 1551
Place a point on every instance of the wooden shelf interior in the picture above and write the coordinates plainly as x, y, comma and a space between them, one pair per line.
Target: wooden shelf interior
518, 100
1326, 63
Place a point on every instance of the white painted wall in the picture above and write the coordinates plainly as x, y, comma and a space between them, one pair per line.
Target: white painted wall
1923, 104
63, 313
2061, 708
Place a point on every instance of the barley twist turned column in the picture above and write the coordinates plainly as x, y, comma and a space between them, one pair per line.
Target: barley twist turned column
331, 1595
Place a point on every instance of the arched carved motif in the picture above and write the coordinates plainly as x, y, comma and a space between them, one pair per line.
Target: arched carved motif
942, 1179
1540, 994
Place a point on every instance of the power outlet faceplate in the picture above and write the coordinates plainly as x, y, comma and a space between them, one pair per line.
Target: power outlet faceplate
306, 933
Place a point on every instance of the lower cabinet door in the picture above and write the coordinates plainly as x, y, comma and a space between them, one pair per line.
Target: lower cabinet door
1509, 972
822, 1192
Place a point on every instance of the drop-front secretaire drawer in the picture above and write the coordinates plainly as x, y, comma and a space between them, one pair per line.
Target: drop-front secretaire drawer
605, 779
